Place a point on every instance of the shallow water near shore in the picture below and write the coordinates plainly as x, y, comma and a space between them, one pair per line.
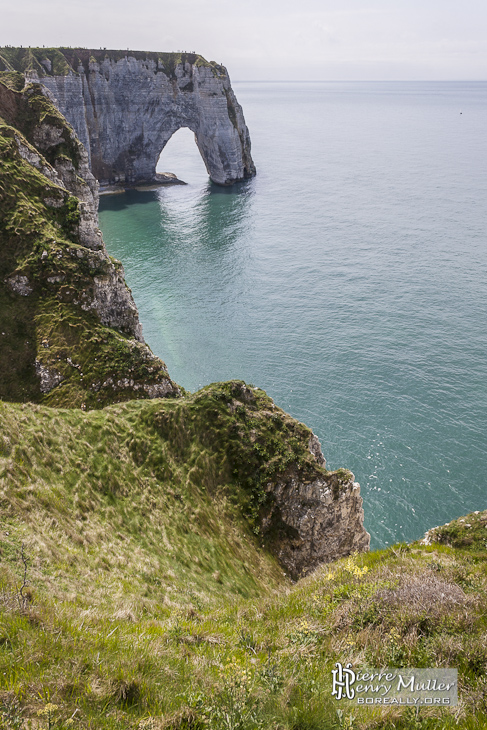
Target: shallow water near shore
348, 279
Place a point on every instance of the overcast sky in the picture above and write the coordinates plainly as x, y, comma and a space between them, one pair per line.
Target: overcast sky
273, 39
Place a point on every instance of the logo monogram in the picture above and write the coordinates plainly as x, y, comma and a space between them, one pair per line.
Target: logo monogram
343, 678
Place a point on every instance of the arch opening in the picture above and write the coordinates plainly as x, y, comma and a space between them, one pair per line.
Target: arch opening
182, 157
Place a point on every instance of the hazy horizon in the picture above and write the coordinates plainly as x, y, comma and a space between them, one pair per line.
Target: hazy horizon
275, 40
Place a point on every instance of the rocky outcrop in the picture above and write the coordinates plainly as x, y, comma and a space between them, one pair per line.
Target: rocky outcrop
305, 514
468, 532
77, 304
313, 522
77, 188
125, 106
49, 378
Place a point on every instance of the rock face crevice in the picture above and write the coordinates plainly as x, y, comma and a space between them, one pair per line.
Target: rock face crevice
126, 106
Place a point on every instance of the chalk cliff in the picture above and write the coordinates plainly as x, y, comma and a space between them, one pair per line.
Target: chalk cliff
309, 522
126, 105
69, 328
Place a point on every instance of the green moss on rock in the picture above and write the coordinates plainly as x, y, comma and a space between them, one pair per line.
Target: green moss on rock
33, 110
48, 280
469, 532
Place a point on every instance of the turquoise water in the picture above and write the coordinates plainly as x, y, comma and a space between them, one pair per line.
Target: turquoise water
348, 280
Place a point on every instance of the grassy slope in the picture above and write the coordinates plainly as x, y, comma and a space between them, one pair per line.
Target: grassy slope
164, 471
468, 532
150, 601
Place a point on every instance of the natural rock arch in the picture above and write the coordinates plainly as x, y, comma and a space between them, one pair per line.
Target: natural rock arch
182, 157
125, 106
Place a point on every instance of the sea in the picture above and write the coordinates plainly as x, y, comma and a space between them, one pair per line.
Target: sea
348, 279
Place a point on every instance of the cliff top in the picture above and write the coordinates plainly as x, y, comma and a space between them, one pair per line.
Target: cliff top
135, 595
64, 61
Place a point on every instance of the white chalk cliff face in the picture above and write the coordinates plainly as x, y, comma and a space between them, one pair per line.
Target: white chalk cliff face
124, 109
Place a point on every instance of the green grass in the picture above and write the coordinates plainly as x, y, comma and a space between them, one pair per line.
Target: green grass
218, 445
151, 603
469, 532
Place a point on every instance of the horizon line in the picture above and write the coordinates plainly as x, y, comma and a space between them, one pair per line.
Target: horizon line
352, 81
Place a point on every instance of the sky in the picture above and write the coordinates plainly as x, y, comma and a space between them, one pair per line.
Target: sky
295, 40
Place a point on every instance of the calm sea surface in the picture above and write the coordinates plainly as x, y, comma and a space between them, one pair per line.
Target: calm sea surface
348, 279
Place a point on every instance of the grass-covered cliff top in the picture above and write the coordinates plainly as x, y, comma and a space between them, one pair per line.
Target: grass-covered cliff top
225, 443
468, 533
134, 591
63, 61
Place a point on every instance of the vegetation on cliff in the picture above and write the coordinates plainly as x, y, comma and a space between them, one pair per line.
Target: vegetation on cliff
48, 279
62, 61
134, 594
469, 533
138, 583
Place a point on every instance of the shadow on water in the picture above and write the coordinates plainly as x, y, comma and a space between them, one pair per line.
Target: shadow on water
222, 213
186, 251
209, 215
122, 201
244, 187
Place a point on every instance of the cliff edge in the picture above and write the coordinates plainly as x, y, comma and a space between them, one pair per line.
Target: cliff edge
69, 328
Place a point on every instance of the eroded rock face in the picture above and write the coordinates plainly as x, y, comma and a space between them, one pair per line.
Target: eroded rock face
315, 522
304, 514
109, 296
84, 338
125, 109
